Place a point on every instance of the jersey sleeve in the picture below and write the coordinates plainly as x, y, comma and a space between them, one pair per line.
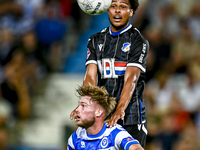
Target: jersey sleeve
71, 142
70, 145
124, 140
91, 53
138, 52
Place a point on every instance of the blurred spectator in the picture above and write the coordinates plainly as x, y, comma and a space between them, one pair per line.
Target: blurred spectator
184, 48
15, 90
10, 13
168, 22
5, 115
194, 67
161, 48
52, 27
197, 120
188, 139
14, 87
184, 7
189, 94
161, 89
182, 117
18, 15
7, 41
50, 24
194, 21
168, 134
150, 12
56, 58
36, 60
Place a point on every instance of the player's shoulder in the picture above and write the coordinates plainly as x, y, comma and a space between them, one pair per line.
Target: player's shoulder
136, 31
102, 32
137, 34
117, 128
116, 131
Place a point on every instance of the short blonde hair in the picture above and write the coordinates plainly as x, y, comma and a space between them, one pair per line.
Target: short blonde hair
100, 95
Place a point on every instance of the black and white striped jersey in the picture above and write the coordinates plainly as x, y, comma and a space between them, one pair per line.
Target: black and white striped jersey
113, 52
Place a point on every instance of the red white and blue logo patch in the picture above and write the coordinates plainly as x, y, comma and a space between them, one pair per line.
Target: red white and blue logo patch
88, 53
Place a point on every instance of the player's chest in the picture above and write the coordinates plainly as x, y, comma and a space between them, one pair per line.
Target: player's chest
117, 47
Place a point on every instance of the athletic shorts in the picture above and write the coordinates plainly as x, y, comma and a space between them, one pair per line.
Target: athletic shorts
138, 132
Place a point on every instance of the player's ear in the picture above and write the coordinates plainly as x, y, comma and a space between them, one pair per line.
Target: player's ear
98, 112
131, 12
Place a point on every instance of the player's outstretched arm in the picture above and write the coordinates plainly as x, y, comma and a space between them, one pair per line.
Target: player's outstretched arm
130, 80
136, 147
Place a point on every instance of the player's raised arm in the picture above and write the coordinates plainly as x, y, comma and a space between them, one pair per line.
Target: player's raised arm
130, 80
91, 75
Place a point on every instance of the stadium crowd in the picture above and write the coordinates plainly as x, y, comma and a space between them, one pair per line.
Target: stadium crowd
37, 36
173, 81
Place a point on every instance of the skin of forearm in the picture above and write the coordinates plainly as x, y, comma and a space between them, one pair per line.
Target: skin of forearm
128, 89
135, 147
127, 92
89, 80
91, 75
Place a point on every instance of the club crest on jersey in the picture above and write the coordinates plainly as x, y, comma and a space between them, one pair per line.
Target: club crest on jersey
104, 142
126, 47
88, 53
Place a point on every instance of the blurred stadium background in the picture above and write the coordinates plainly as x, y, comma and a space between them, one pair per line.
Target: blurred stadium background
42, 54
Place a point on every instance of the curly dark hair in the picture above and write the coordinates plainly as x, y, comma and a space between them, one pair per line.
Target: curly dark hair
100, 95
134, 5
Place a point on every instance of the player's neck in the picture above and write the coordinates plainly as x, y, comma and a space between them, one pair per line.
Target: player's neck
95, 129
119, 28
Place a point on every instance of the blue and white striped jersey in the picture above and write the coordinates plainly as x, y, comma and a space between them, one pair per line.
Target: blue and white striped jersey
108, 139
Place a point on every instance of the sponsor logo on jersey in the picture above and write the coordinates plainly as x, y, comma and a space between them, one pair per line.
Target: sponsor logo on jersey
111, 69
126, 47
104, 142
100, 47
142, 126
88, 53
144, 48
143, 53
128, 139
82, 144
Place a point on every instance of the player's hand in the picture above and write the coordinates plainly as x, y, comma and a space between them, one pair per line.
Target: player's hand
72, 115
118, 114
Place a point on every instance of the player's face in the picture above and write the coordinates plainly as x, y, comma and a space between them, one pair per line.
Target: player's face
119, 13
85, 112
